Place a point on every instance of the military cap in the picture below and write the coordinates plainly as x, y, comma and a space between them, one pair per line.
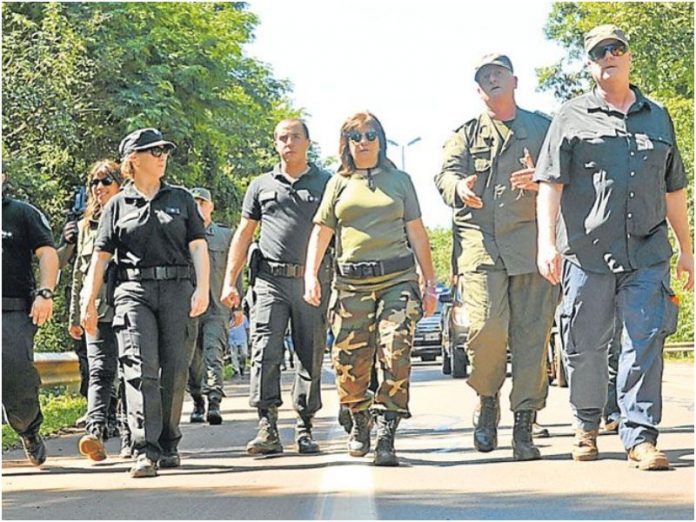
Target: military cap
143, 139
602, 33
493, 59
202, 193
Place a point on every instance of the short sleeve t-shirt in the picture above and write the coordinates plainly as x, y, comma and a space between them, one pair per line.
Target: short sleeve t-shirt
369, 223
24, 230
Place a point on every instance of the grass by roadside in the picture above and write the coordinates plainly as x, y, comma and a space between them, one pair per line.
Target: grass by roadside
59, 409
684, 356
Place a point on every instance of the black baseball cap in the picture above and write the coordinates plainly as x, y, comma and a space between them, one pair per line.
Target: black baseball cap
143, 139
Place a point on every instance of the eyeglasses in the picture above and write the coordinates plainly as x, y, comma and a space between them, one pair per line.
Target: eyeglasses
107, 182
600, 51
356, 137
159, 151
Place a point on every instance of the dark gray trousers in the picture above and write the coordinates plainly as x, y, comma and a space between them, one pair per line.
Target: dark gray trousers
275, 301
205, 371
102, 355
154, 333
20, 380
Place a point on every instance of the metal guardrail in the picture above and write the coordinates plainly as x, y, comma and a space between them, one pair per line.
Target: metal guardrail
57, 368
64, 368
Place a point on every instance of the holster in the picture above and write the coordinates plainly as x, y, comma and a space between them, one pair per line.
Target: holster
254, 258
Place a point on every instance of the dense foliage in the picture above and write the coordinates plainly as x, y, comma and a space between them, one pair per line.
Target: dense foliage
662, 46
77, 77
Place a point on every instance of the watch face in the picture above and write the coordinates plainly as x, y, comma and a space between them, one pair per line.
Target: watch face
45, 293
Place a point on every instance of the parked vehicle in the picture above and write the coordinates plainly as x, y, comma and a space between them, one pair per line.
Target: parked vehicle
427, 341
455, 330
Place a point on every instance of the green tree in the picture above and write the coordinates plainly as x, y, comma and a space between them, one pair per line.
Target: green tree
441, 247
661, 37
77, 77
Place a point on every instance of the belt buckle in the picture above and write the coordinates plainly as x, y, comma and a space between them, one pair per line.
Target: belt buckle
368, 270
160, 272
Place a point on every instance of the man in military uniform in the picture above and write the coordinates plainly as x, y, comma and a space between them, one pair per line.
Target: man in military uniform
205, 372
486, 178
283, 201
610, 166
25, 231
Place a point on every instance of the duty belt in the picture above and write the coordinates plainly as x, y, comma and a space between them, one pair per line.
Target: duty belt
375, 268
15, 304
154, 273
281, 269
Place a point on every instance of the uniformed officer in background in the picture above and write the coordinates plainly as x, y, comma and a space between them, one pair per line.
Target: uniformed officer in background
25, 231
157, 236
205, 372
283, 201
486, 178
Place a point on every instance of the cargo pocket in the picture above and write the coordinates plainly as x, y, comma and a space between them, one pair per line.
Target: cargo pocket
671, 309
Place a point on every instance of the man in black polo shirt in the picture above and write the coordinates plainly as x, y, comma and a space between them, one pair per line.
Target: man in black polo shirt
25, 231
283, 201
611, 166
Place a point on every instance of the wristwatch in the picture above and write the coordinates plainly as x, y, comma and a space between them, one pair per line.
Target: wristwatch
46, 293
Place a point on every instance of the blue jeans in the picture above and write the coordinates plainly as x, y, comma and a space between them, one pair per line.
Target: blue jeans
641, 302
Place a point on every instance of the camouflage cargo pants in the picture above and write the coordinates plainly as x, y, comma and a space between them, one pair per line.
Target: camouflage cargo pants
381, 321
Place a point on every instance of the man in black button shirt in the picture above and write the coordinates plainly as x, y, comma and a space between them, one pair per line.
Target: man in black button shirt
610, 165
25, 231
283, 202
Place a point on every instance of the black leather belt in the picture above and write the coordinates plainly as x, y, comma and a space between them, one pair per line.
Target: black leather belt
154, 273
15, 304
375, 268
281, 269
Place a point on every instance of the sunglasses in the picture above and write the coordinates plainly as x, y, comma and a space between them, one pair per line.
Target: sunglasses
356, 137
159, 151
600, 51
107, 182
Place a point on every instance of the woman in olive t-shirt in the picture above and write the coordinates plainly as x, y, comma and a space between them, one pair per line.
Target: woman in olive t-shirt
373, 209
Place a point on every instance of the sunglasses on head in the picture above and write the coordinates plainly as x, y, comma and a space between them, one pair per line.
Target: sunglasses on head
614, 48
107, 181
159, 151
356, 137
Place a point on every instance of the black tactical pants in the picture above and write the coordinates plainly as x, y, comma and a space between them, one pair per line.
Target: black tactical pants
154, 332
275, 301
20, 380
102, 355
205, 372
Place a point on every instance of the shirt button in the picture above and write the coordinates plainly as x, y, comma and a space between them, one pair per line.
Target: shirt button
633, 174
630, 215
633, 153
628, 236
631, 194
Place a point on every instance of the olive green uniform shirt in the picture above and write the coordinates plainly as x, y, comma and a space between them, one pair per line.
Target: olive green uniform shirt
219, 239
370, 223
502, 234
87, 233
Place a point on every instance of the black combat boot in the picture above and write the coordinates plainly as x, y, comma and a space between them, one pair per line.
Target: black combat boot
359, 440
198, 413
385, 455
214, 416
486, 424
344, 418
523, 447
267, 440
303, 435
34, 448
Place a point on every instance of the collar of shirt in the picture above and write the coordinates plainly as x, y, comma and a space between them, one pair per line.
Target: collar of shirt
279, 174
362, 173
596, 103
130, 192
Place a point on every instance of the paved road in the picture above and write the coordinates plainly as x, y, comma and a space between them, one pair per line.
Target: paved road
442, 476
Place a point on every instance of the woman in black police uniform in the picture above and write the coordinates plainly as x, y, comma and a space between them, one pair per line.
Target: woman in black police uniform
156, 234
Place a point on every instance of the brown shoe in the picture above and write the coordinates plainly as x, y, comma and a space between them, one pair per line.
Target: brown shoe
92, 447
610, 427
585, 445
647, 457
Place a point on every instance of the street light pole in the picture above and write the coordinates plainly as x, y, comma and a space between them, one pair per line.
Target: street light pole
403, 149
